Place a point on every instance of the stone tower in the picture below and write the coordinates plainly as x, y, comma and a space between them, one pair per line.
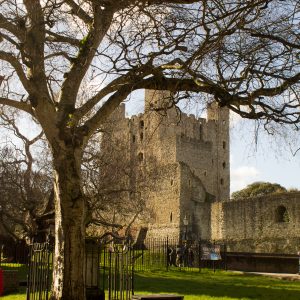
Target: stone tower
189, 157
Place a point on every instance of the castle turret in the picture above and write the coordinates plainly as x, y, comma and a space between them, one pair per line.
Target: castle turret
155, 99
218, 134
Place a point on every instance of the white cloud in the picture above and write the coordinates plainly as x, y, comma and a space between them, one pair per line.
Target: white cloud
242, 176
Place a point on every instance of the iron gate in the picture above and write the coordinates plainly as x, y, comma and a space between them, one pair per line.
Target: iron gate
38, 278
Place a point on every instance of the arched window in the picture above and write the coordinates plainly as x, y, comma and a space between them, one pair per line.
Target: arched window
140, 157
281, 214
201, 132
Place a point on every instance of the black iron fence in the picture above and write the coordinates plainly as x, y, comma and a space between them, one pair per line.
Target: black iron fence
13, 253
39, 271
110, 267
118, 262
170, 253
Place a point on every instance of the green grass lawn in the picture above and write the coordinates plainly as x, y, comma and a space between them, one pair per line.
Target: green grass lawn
219, 285
208, 285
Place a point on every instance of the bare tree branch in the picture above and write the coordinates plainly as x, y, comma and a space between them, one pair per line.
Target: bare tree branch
16, 104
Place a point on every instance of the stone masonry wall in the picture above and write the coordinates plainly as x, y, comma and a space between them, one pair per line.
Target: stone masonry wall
163, 202
252, 224
194, 205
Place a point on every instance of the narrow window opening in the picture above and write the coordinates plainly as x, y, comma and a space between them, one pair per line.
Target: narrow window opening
141, 136
189, 182
171, 217
140, 157
142, 124
172, 181
224, 145
222, 181
224, 164
205, 173
281, 215
133, 138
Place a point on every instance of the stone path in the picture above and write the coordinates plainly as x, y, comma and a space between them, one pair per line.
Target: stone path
292, 277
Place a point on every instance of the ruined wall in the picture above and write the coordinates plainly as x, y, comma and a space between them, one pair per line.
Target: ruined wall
255, 224
194, 205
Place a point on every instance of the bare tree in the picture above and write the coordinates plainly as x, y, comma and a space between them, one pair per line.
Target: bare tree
116, 186
24, 184
243, 54
110, 182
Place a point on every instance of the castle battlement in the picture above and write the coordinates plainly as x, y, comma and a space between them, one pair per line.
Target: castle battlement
201, 143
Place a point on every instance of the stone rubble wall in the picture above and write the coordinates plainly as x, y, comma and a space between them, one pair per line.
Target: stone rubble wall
251, 225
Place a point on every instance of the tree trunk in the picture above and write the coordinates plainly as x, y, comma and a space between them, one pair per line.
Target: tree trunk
70, 213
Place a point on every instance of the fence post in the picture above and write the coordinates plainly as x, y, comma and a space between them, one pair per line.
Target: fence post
214, 266
132, 273
167, 254
109, 275
28, 274
1, 282
225, 256
48, 268
199, 255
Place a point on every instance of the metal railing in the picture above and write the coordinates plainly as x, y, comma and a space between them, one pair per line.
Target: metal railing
13, 254
111, 267
39, 271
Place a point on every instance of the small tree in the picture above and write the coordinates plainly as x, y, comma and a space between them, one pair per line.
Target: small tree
116, 185
243, 54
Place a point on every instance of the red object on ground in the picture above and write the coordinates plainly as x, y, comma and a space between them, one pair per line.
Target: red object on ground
1, 282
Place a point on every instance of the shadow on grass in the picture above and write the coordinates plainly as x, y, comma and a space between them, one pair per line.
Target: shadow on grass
217, 285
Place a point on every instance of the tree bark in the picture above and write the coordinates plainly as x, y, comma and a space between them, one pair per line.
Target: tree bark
70, 214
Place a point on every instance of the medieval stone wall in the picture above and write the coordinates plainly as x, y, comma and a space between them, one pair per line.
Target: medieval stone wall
269, 224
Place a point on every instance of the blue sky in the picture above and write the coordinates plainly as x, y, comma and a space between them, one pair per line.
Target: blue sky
265, 158
271, 159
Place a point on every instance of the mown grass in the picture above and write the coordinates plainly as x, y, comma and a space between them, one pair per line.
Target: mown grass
209, 286
219, 285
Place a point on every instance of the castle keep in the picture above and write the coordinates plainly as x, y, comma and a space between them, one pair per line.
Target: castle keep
189, 195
